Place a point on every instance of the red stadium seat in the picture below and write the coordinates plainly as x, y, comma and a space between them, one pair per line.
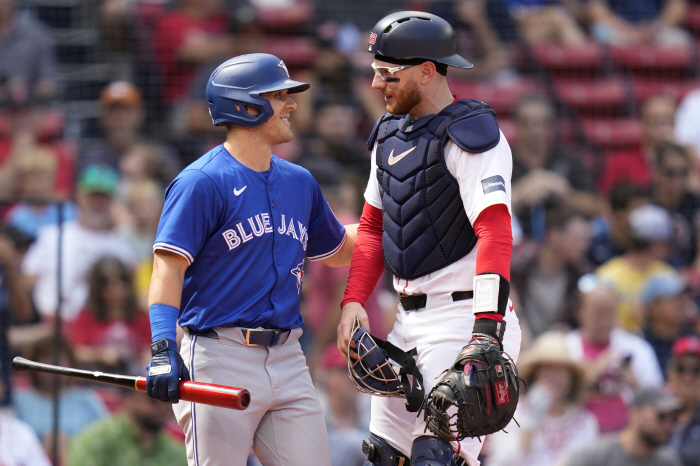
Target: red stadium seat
693, 18
643, 88
274, 17
562, 57
592, 94
295, 51
502, 97
613, 133
653, 57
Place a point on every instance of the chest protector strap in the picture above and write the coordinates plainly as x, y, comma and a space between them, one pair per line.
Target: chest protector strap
425, 226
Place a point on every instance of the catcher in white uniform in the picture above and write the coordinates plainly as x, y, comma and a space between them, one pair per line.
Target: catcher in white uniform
437, 216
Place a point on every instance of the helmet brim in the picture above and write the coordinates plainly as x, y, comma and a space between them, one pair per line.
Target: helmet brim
456, 61
290, 85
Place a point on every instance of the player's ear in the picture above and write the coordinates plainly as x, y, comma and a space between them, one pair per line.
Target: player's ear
252, 111
427, 72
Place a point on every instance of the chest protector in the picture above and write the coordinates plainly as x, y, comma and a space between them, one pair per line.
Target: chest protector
425, 225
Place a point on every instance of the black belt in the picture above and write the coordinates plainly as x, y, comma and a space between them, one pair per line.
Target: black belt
413, 302
252, 336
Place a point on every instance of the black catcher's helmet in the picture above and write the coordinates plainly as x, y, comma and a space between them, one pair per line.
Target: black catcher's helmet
411, 35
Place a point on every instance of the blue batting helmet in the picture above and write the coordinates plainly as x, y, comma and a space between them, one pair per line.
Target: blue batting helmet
237, 83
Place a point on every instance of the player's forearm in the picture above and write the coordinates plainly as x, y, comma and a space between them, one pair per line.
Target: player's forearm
493, 229
367, 260
167, 279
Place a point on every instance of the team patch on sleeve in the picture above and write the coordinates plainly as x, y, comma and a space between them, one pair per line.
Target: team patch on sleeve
495, 183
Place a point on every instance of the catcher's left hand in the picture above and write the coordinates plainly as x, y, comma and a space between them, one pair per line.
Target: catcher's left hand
477, 396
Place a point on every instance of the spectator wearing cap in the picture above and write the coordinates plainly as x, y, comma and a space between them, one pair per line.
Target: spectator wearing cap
683, 374
84, 240
651, 233
552, 419
666, 313
616, 361
121, 120
643, 441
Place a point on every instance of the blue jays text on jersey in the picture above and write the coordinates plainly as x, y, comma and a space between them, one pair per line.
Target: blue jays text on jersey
260, 225
245, 235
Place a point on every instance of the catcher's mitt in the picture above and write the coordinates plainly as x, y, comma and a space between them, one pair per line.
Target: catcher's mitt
477, 396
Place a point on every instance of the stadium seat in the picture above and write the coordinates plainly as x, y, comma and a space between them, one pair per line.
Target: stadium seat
274, 17
693, 18
593, 95
561, 57
653, 57
502, 97
614, 132
643, 88
295, 51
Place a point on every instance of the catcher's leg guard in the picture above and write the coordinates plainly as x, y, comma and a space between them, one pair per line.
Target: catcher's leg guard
431, 451
380, 453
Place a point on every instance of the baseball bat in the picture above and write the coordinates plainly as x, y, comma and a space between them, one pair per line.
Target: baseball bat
196, 392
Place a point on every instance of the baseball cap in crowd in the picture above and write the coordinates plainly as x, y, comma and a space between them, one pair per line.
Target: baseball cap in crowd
686, 345
98, 178
651, 223
661, 401
663, 285
121, 93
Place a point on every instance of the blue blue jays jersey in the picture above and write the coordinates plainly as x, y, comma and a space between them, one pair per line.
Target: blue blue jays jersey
245, 235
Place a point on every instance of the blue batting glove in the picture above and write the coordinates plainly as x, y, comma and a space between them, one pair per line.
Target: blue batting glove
165, 371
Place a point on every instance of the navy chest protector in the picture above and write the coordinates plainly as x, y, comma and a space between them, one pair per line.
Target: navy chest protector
425, 225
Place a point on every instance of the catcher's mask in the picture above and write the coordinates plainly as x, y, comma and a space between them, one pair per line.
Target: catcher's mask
373, 373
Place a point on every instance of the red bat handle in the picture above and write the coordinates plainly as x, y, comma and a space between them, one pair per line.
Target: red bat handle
208, 393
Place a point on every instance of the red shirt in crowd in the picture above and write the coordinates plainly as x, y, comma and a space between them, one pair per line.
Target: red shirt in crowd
170, 34
134, 336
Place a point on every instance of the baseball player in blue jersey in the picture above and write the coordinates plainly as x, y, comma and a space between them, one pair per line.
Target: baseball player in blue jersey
235, 230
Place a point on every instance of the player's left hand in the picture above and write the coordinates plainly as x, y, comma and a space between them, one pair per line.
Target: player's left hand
484, 379
165, 371
347, 318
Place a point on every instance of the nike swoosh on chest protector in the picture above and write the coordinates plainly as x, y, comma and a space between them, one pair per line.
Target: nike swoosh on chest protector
393, 160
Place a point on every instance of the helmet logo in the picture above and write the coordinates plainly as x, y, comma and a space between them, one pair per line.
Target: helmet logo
372, 38
284, 67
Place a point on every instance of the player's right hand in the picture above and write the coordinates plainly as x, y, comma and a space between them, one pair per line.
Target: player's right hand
165, 371
347, 317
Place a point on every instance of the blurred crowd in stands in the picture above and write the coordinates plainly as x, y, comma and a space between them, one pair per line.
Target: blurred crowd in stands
600, 102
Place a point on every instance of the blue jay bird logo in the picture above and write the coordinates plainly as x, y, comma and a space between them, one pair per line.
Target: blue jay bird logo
299, 273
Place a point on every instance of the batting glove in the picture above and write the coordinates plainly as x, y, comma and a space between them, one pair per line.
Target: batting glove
165, 371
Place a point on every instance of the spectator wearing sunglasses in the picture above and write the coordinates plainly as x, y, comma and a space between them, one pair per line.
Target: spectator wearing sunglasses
671, 190
683, 374
643, 441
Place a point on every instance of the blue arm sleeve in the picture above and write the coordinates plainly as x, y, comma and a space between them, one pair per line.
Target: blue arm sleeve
163, 318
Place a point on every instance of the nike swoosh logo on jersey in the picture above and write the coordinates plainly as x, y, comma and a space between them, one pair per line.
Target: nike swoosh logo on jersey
393, 160
237, 192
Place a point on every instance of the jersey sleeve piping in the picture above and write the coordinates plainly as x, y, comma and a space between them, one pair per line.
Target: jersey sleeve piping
169, 247
330, 253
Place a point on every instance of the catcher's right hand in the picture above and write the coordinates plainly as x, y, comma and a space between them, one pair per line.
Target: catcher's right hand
477, 396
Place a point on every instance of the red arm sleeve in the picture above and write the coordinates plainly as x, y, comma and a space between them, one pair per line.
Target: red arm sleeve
367, 259
493, 229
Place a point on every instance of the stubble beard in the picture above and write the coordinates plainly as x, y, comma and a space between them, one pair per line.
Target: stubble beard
410, 99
